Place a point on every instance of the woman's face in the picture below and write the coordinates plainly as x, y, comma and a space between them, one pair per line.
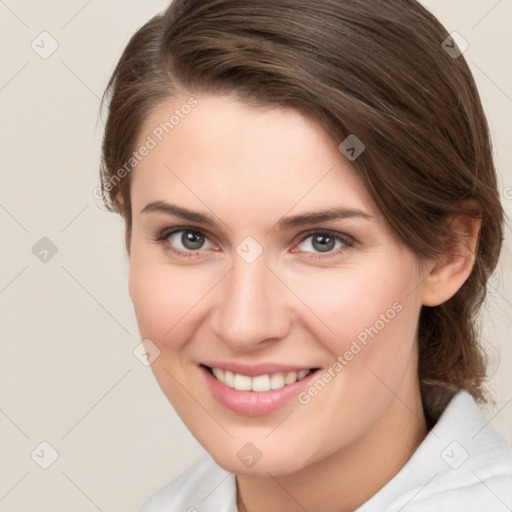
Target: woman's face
249, 283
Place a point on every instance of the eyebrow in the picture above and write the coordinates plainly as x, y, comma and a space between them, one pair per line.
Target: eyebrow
282, 224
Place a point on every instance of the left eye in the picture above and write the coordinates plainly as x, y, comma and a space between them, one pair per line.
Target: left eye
322, 242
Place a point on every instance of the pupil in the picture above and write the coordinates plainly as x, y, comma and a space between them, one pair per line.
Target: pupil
326, 244
192, 240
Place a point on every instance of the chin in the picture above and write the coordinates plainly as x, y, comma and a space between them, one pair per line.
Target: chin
276, 464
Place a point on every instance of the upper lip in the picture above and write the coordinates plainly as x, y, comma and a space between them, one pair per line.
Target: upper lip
253, 370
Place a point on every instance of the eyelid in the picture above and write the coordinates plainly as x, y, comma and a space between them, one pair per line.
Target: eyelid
167, 232
335, 234
347, 240
164, 234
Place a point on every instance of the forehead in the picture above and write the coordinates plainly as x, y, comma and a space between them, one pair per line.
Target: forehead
242, 157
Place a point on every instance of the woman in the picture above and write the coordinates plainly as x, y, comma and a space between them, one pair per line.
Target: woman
311, 217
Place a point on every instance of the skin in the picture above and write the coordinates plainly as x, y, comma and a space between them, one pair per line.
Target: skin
248, 168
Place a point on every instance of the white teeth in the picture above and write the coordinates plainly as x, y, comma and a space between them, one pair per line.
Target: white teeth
261, 383
242, 382
277, 381
219, 373
290, 378
302, 374
229, 379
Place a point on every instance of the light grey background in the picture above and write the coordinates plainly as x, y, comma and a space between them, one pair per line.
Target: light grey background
68, 375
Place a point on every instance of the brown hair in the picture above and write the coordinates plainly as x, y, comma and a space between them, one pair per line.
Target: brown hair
373, 68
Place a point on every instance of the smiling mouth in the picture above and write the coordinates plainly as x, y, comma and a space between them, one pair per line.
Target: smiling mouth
259, 383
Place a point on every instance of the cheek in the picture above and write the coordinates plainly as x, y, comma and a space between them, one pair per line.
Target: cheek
348, 300
167, 299
159, 300
146, 291
366, 319
374, 320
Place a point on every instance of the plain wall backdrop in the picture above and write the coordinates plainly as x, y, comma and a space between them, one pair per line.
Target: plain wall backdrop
68, 375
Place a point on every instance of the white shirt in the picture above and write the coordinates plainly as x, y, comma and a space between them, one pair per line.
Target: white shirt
463, 465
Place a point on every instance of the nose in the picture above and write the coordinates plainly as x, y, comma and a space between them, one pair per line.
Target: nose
251, 307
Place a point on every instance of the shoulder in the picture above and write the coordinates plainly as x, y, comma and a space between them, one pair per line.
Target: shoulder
463, 464
205, 486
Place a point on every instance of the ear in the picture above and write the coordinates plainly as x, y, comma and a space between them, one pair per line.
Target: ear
451, 269
119, 201
120, 205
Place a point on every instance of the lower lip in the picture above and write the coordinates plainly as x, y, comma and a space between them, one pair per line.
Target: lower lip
254, 403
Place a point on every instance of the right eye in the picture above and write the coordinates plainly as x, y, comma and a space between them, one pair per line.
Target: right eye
183, 241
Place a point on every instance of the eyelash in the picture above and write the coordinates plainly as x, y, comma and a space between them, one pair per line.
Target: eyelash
162, 238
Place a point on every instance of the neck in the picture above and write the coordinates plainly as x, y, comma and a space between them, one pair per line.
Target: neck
347, 478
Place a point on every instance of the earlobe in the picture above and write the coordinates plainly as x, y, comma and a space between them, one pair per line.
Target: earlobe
120, 205
452, 268
119, 201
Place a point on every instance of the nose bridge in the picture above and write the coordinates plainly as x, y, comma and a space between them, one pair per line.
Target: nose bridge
251, 308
